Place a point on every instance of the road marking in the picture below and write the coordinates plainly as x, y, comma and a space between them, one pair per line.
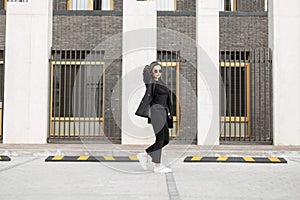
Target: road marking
248, 159
83, 158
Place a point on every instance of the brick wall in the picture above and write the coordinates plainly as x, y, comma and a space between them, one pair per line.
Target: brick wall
59, 4
84, 32
186, 5
243, 32
251, 33
88, 32
261, 95
118, 5
250, 5
178, 33
2, 30
1, 4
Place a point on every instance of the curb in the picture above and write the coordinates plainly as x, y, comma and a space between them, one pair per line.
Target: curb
5, 158
235, 159
91, 159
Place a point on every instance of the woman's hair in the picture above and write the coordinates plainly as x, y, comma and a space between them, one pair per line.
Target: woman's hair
153, 64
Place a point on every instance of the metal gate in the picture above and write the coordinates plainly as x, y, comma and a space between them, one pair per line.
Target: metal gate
2, 56
77, 94
246, 96
171, 68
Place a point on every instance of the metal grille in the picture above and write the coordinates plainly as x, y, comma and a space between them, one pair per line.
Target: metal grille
2, 56
170, 62
77, 94
25, 1
246, 96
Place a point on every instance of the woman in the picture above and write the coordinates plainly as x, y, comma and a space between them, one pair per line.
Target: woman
156, 106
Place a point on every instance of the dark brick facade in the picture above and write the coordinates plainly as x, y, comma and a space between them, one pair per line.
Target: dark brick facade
88, 31
59, 4
243, 31
261, 95
118, 5
250, 6
186, 5
84, 32
112, 130
250, 33
178, 33
2, 30
1, 4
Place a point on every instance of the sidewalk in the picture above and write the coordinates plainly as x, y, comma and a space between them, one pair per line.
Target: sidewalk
128, 150
29, 177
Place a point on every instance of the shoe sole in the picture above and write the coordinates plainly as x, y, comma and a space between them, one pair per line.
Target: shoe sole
140, 157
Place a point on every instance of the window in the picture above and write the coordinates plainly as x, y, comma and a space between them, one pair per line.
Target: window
4, 5
234, 94
170, 63
77, 93
77, 90
90, 4
228, 5
165, 5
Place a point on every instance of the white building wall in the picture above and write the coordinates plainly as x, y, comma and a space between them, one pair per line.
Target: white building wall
139, 49
208, 72
26, 92
284, 30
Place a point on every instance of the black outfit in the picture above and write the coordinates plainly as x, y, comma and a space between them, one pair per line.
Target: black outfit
156, 106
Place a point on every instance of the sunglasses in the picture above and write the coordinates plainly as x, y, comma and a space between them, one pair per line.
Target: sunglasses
156, 71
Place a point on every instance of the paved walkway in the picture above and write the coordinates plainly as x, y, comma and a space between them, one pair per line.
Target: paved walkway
127, 150
27, 176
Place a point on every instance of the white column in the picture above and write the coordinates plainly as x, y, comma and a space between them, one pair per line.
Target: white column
26, 92
208, 72
284, 31
139, 49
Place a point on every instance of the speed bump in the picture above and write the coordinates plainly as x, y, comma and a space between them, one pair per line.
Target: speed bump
5, 158
224, 159
91, 159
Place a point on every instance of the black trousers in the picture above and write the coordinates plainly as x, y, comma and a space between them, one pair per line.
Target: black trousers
161, 130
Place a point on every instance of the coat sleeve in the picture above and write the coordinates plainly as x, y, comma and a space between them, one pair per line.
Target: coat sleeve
144, 107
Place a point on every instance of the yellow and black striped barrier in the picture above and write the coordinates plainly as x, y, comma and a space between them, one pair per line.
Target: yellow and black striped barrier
224, 159
91, 159
4, 158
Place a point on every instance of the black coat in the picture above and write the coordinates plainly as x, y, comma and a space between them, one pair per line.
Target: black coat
144, 107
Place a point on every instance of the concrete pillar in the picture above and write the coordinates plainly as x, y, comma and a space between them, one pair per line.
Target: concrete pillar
139, 49
208, 72
284, 31
26, 92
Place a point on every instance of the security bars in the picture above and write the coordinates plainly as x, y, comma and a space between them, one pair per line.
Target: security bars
2, 56
77, 94
246, 96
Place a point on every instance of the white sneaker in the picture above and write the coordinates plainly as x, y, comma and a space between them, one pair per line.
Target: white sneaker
143, 160
162, 169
